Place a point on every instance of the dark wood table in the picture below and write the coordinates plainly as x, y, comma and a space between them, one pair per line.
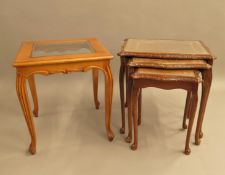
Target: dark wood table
164, 79
176, 50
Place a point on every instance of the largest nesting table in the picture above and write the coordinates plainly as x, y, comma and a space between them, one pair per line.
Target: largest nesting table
61, 56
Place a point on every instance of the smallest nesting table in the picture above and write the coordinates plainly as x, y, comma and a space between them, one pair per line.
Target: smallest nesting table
62, 56
165, 79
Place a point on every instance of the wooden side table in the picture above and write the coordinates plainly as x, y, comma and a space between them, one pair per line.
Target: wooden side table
165, 79
62, 56
169, 50
166, 64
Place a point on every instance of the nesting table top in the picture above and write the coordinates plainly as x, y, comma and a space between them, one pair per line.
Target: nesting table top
171, 49
169, 64
167, 75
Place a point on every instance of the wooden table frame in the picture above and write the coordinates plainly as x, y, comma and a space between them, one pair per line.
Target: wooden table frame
137, 83
206, 85
27, 68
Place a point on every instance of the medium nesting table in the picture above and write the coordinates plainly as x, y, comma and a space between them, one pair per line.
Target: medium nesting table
167, 54
61, 56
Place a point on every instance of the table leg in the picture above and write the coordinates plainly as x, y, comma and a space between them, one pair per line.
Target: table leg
187, 109
33, 90
127, 86
194, 99
108, 100
95, 87
23, 98
130, 107
121, 82
139, 106
135, 96
206, 85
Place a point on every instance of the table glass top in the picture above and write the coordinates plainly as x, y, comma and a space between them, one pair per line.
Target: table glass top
58, 49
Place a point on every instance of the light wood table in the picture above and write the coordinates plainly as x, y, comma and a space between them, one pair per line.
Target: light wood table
61, 56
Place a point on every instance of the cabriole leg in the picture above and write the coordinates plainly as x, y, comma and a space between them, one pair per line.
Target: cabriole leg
194, 98
134, 100
139, 107
121, 82
187, 109
130, 109
206, 84
95, 87
23, 98
33, 90
108, 100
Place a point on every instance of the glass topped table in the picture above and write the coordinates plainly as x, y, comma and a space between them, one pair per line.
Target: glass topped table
41, 50
61, 56
58, 51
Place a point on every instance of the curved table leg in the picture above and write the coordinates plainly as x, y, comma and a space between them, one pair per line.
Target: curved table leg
121, 82
95, 87
187, 109
135, 96
139, 107
23, 98
127, 86
33, 90
108, 100
130, 109
206, 84
194, 99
